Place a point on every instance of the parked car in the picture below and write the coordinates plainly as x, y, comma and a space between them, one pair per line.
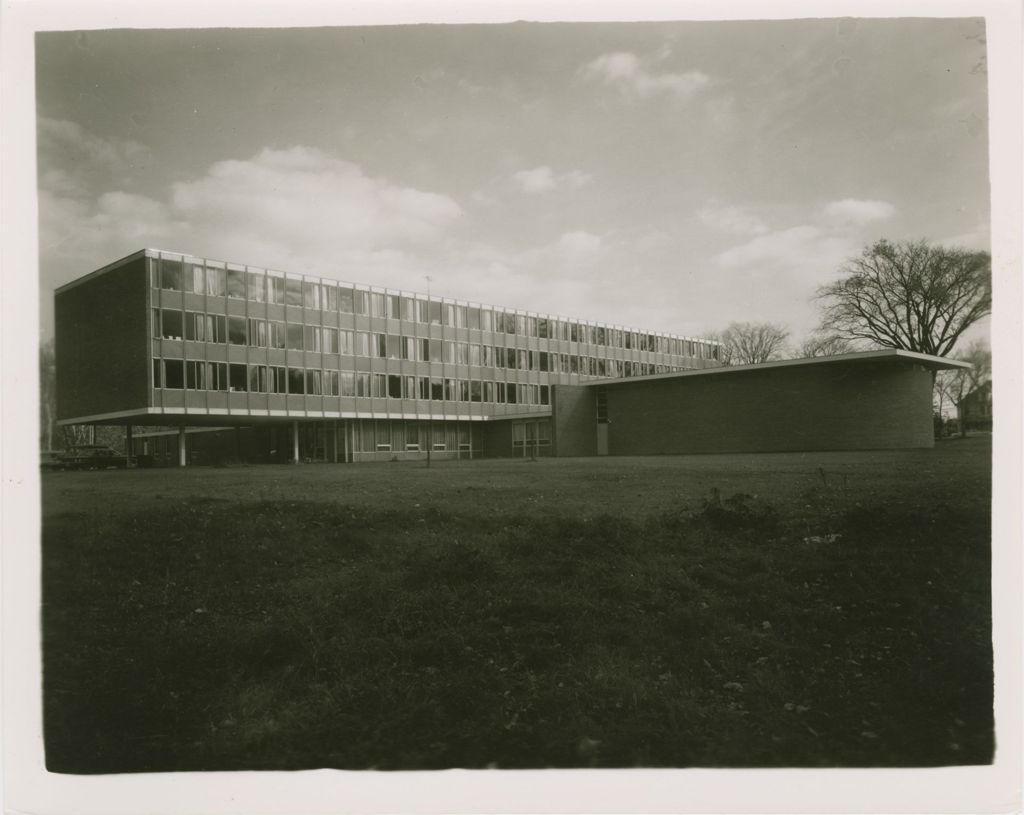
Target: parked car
93, 457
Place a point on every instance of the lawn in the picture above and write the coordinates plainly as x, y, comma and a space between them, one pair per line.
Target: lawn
769, 610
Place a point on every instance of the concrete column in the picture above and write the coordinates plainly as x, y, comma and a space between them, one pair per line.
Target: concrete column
182, 457
334, 441
295, 442
128, 443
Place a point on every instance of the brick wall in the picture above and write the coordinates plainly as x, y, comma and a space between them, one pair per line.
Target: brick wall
830, 406
101, 343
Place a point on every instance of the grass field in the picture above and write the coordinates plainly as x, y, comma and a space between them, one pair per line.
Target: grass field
769, 610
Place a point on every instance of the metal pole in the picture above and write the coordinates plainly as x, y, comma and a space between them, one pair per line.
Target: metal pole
295, 442
128, 444
182, 457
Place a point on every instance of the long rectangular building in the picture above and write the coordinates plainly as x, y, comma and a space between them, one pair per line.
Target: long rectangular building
321, 369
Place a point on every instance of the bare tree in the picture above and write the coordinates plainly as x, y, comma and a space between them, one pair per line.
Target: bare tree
824, 345
47, 395
752, 343
909, 295
954, 385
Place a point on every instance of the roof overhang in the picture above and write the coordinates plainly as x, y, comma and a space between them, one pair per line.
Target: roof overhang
886, 355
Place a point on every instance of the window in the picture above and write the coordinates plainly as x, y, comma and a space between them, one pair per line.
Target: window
278, 379
312, 336
362, 344
314, 383
473, 318
434, 350
474, 354
408, 309
475, 391
257, 379
292, 292
436, 389
311, 295
174, 374
378, 385
378, 305
345, 302
171, 275
237, 378
275, 290
257, 287
435, 312
215, 283
488, 394
394, 346
330, 383
201, 327
545, 394
236, 284
330, 340
394, 306
277, 335
196, 278
394, 387
296, 381
361, 304
171, 324
258, 333
294, 335
330, 293
348, 383
486, 320
236, 331
362, 385
345, 342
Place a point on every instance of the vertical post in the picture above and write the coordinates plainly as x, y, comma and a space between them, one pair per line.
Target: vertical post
128, 444
92, 434
181, 446
295, 442
334, 441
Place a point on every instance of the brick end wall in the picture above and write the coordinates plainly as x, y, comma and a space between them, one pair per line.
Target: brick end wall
102, 343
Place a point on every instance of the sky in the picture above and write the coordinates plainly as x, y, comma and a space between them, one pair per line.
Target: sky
667, 176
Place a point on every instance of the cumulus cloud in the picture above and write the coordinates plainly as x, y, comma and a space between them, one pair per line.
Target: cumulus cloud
734, 219
544, 179
625, 71
856, 211
298, 208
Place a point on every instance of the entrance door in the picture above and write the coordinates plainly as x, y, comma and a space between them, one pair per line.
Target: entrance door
601, 400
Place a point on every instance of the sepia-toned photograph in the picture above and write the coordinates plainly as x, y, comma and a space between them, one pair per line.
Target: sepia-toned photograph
516, 396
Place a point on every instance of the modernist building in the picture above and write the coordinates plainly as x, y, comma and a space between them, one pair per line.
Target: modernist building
238, 362
317, 369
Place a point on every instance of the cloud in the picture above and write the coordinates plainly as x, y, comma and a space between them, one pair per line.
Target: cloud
624, 70
302, 194
70, 143
543, 179
298, 208
734, 219
854, 211
579, 244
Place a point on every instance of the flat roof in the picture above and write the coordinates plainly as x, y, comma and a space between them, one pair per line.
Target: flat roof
883, 355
